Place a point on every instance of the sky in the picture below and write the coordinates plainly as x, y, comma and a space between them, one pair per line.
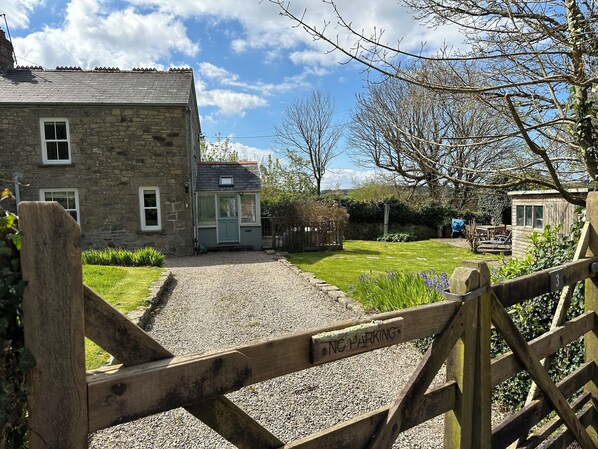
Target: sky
249, 62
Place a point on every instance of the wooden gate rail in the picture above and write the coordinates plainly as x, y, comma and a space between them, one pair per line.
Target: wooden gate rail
152, 379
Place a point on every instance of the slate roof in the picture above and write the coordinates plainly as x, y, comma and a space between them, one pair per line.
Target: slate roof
246, 176
100, 86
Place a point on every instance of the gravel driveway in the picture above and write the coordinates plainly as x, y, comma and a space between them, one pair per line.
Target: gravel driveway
221, 299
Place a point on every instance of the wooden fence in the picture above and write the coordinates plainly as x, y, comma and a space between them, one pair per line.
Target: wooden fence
66, 403
303, 236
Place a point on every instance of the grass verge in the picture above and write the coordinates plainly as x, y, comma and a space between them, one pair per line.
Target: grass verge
343, 268
126, 288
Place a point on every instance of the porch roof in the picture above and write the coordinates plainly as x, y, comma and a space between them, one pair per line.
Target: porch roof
245, 176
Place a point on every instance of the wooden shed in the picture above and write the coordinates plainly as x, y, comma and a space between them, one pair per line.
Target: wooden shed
227, 196
533, 209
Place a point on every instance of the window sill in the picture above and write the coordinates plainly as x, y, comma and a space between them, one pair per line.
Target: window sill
151, 232
66, 164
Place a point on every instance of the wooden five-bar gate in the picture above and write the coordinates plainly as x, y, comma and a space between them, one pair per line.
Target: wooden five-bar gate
66, 403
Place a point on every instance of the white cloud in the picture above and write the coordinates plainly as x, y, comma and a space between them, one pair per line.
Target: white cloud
227, 102
264, 28
17, 12
249, 153
92, 35
345, 178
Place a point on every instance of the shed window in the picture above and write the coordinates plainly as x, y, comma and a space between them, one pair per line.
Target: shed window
530, 216
55, 140
206, 210
149, 208
67, 198
226, 181
520, 216
538, 217
248, 208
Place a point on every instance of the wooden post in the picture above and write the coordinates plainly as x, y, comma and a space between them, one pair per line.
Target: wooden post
482, 419
386, 218
460, 367
54, 326
591, 299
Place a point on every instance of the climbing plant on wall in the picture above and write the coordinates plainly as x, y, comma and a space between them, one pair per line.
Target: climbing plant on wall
15, 360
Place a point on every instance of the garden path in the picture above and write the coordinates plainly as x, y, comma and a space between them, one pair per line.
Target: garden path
223, 299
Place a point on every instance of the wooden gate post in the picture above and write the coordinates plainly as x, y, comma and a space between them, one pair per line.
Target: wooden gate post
54, 326
591, 299
469, 424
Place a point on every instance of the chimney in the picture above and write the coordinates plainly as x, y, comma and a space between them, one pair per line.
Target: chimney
6, 52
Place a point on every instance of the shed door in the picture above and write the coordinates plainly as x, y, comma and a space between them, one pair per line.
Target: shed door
228, 219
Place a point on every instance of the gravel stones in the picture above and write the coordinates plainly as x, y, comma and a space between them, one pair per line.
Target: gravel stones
224, 299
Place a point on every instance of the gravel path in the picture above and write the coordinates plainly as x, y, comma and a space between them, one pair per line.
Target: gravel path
221, 299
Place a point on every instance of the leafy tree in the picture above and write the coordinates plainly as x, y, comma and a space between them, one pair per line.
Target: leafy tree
281, 181
308, 130
219, 151
537, 64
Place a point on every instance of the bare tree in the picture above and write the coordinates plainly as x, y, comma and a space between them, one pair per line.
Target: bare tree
538, 62
307, 128
425, 137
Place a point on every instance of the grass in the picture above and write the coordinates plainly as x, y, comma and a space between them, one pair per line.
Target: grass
125, 288
343, 268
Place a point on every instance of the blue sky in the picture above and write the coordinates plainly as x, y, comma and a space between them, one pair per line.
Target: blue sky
249, 62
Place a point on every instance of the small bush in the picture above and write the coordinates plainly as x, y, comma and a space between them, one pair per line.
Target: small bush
399, 290
396, 237
143, 257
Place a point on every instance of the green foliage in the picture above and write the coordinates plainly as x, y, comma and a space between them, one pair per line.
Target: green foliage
534, 317
399, 290
283, 182
372, 190
219, 151
143, 257
15, 359
396, 237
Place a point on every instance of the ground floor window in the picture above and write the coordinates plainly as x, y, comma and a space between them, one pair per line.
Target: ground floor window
149, 208
530, 216
67, 198
249, 208
206, 210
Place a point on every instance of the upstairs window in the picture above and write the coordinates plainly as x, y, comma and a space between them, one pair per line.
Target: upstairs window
149, 208
67, 198
56, 148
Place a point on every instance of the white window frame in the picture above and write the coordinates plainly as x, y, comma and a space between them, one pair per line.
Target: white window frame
44, 141
42, 197
142, 209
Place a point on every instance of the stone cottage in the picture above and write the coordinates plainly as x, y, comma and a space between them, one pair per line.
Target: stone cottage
118, 149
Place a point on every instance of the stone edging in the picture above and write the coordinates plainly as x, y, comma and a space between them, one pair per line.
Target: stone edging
141, 315
331, 290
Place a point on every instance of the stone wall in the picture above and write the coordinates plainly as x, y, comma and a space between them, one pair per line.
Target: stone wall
114, 151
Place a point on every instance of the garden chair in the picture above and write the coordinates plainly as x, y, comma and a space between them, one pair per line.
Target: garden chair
499, 241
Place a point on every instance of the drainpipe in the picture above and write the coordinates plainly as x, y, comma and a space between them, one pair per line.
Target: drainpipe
17, 192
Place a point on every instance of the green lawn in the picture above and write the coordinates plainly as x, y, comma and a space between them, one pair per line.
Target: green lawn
342, 268
125, 288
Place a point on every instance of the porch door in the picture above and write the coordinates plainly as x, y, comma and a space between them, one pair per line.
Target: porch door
228, 218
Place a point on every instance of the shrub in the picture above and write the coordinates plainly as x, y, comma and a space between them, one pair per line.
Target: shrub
143, 257
534, 317
395, 237
398, 290
15, 359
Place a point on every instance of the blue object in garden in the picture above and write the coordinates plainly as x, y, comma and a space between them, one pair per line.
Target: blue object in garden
457, 226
